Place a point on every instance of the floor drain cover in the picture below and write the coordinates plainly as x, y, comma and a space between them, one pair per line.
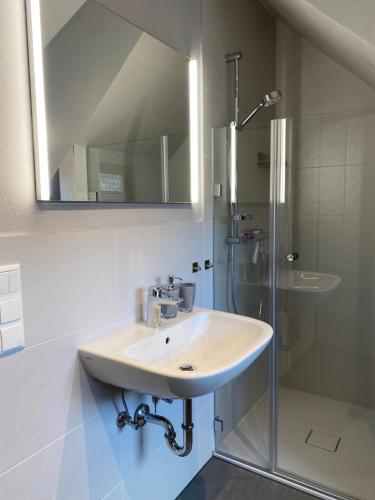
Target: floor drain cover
324, 440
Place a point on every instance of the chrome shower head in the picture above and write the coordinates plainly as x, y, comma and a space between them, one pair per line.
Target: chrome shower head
272, 98
268, 100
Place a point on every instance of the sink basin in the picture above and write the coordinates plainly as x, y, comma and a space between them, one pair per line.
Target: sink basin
306, 288
191, 355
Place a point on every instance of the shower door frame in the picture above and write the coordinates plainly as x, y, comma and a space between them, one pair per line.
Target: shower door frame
280, 128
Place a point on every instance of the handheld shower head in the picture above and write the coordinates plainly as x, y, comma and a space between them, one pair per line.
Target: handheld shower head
272, 98
268, 100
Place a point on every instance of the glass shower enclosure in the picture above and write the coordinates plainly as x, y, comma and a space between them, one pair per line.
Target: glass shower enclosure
304, 412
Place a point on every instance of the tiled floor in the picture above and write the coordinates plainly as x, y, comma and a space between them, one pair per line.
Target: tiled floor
348, 429
219, 480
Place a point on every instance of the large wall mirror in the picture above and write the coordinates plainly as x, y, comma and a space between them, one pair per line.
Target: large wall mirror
112, 108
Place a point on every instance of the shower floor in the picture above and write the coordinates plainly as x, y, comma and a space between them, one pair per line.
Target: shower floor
350, 469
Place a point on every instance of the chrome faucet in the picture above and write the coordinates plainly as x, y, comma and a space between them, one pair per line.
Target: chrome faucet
154, 303
170, 291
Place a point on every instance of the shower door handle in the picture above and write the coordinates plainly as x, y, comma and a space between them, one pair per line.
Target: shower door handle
292, 256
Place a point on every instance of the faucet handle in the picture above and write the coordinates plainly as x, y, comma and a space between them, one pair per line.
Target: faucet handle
171, 278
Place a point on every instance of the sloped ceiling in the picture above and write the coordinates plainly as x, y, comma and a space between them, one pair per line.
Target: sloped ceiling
55, 14
357, 16
343, 29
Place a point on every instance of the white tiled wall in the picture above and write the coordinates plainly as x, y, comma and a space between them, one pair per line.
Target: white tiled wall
334, 116
84, 271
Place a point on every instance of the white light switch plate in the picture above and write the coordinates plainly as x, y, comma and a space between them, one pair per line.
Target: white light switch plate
10, 310
14, 281
4, 283
11, 337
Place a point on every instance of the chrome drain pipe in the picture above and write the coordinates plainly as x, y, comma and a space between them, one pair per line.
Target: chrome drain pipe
143, 415
170, 434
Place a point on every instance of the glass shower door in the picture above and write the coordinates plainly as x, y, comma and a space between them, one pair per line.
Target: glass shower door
240, 286
323, 432
305, 410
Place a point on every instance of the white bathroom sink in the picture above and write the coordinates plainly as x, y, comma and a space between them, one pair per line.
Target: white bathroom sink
306, 288
217, 346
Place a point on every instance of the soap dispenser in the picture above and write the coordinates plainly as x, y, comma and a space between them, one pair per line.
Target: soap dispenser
171, 291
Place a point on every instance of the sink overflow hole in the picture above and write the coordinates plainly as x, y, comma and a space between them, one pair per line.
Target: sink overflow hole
187, 368
167, 340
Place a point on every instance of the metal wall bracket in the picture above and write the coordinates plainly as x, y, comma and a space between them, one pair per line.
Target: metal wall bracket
218, 425
217, 190
195, 268
208, 264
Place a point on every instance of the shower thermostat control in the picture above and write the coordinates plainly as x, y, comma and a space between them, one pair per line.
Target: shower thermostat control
238, 217
292, 256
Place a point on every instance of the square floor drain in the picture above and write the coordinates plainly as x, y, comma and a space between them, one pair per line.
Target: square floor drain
324, 440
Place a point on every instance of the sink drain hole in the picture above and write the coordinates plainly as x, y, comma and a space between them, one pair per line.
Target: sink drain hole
187, 367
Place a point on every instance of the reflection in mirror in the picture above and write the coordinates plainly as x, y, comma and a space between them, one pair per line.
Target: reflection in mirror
110, 108
143, 169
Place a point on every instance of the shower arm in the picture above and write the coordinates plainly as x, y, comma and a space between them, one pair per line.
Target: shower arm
241, 125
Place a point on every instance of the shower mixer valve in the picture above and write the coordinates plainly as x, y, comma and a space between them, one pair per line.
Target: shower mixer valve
238, 217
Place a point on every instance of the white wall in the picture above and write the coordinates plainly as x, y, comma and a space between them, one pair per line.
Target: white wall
85, 270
